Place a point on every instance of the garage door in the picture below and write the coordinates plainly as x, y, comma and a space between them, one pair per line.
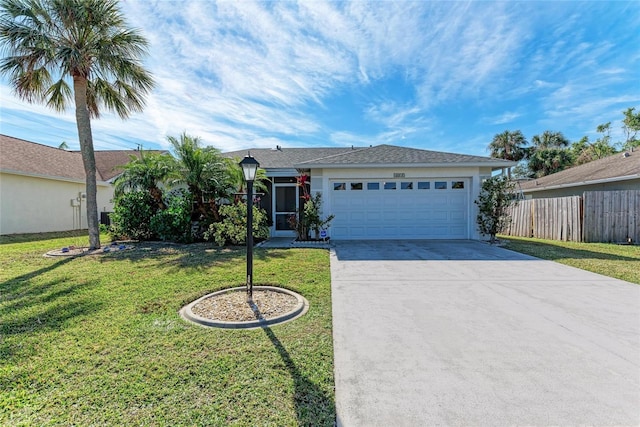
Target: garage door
400, 209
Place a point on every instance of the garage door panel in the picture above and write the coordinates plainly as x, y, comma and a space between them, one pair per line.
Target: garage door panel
358, 232
357, 216
440, 215
374, 216
357, 202
408, 213
457, 215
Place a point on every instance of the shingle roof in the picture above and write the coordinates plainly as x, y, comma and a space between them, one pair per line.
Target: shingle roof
395, 155
361, 156
286, 158
108, 162
612, 168
18, 155
25, 157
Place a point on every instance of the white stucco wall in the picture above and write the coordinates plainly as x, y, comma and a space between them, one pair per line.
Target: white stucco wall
320, 182
36, 205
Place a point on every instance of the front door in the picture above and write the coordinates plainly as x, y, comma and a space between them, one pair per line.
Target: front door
285, 202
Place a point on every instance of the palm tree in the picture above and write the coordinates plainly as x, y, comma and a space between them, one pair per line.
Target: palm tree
237, 182
203, 171
546, 161
509, 146
549, 139
146, 173
80, 50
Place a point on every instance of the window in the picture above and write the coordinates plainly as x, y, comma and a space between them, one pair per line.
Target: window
406, 185
424, 185
373, 185
440, 185
338, 186
389, 185
457, 185
356, 186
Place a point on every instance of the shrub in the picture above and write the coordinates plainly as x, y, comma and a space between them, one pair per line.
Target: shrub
132, 215
174, 223
311, 218
496, 195
232, 228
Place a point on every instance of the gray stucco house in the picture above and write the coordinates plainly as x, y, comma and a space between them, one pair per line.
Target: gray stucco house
378, 192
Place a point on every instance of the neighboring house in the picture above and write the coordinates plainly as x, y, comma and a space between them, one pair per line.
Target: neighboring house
620, 171
42, 188
379, 192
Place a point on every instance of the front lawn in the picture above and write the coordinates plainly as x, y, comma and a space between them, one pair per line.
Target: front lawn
619, 261
97, 340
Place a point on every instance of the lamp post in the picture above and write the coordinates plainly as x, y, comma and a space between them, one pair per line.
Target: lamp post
249, 167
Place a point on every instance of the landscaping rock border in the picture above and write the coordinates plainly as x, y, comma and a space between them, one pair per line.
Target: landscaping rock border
299, 309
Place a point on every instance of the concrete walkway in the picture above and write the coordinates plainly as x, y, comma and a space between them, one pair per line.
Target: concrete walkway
462, 333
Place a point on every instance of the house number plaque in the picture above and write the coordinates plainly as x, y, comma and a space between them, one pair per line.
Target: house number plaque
398, 175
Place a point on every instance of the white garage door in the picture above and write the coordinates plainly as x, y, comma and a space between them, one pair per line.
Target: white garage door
400, 209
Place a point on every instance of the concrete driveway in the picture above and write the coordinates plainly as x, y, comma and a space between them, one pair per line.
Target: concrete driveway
462, 333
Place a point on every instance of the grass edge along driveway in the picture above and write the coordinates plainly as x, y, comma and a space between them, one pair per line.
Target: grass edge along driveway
97, 340
617, 261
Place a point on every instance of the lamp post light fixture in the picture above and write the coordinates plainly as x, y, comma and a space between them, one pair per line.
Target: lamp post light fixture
249, 167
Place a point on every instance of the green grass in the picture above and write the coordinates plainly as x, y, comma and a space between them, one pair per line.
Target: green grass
619, 261
97, 340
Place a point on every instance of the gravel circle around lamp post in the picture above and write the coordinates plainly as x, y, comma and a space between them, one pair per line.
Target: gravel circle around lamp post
216, 310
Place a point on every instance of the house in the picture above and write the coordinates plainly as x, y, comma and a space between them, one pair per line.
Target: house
378, 192
42, 188
620, 171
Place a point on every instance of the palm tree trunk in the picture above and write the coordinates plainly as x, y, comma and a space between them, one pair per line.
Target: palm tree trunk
83, 121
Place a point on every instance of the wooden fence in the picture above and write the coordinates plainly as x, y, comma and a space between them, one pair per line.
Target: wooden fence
612, 216
557, 218
607, 216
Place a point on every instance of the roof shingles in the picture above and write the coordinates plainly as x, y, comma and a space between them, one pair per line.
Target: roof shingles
25, 157
369, 156
609, 168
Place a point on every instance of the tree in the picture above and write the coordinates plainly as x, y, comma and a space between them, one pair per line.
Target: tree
236, 180
549, 139
550, 160
496, 195
585, 151
631, 127
59, 50
146, 173
204, 171
509, 146
549, 154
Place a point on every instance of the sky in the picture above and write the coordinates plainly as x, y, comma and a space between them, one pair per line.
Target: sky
444, 76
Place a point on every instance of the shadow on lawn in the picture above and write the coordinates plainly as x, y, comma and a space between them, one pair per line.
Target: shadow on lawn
197, 256
29, 307
555, 252
313, 406
28, 276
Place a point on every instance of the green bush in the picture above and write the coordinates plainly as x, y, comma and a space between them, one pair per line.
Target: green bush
174, 223
232, 229
132, 215
495, 198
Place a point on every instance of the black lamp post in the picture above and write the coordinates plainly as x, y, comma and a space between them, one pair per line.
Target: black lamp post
249, 167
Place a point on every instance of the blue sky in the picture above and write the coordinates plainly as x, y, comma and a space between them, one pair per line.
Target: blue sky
443, 76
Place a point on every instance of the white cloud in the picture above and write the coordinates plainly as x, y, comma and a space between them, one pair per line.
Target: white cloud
254, 73
506, 117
